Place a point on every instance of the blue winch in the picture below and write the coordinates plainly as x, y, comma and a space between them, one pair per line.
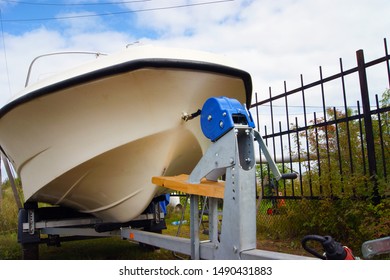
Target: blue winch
220, 114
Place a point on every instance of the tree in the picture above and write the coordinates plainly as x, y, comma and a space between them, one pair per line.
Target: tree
337, 142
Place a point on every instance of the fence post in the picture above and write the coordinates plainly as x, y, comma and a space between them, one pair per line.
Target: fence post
368, 124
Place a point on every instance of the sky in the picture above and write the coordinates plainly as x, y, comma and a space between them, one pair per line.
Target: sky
274, 40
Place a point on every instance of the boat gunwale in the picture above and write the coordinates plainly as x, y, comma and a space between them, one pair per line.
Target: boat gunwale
134, 65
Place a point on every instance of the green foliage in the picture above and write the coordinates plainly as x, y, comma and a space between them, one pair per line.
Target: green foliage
351, 222
340, 178
9, 248
338, 143
8, 208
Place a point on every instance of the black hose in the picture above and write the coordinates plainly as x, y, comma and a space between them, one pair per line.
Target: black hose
333, 250
317, 238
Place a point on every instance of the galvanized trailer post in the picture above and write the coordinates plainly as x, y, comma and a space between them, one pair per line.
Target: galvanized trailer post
231, 154
234, 156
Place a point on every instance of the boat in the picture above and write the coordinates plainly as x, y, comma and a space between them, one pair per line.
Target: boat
92, 137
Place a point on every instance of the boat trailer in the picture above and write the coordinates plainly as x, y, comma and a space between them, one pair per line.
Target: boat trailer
231, 156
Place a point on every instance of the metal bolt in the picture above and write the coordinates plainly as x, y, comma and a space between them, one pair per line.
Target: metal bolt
231, 160
224, 114
209, 117
248, 160
221, 124
247, 131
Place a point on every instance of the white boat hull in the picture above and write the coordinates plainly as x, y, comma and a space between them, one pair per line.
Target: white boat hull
93, 142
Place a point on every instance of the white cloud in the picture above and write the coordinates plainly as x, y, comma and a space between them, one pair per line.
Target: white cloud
183, 20
81, 22
274, 40
283, 38
20, 51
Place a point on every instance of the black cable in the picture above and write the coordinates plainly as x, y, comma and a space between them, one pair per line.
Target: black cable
73, 4
118, 13
5, 52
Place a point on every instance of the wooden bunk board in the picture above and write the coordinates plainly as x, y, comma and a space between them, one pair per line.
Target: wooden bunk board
180, 183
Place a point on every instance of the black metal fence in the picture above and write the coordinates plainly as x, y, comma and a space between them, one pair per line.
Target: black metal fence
333, 132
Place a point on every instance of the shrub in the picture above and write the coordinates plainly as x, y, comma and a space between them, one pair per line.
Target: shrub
348, 221
8, 209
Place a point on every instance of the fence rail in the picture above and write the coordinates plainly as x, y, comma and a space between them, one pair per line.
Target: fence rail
339, 149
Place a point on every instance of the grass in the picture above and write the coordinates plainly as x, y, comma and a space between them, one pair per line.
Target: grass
102, 249
9, 248
116, 249
93, 249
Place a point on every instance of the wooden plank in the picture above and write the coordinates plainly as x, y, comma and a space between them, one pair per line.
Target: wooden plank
180, 183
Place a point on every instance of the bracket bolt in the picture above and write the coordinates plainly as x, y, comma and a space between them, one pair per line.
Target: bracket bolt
209, 117
221, 124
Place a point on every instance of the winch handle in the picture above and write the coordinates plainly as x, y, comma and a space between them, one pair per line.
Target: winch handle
291, 176
271, 162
